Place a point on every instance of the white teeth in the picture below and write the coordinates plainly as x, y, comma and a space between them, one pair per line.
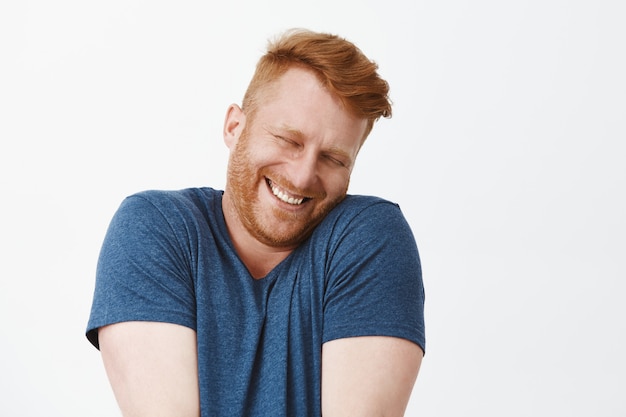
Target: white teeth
283, 197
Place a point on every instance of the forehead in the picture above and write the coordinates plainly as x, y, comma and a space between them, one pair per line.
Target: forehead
298, 100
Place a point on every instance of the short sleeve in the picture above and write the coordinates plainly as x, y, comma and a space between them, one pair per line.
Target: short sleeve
374, 275
143, 271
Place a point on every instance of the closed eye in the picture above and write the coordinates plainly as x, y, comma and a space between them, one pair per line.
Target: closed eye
335, 161
287, 141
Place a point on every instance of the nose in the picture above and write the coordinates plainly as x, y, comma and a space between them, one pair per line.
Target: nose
304, 171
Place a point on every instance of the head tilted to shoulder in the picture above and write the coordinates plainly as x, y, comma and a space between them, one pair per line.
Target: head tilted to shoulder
339, 65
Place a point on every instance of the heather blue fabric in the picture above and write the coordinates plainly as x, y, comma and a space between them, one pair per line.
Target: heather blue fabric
167, 257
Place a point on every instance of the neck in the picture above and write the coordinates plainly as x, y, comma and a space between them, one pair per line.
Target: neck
259, 258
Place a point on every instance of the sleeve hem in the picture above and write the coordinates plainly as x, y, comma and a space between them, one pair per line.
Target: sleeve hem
409, 334
92, 329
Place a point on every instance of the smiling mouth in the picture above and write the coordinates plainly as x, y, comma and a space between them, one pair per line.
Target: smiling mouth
284, 195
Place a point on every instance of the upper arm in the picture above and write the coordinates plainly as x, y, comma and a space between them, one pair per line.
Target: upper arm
152, 368
368, 376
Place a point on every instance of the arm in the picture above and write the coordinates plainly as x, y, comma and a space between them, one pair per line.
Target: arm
369, 376
152, 368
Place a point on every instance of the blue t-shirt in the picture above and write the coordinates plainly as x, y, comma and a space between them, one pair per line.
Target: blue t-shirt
167, 257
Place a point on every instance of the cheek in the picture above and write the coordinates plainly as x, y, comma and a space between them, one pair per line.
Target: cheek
337, 184
266, 154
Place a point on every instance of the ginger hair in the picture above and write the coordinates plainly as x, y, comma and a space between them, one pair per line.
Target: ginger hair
338, 64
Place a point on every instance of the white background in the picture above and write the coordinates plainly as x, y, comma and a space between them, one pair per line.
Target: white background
506, 153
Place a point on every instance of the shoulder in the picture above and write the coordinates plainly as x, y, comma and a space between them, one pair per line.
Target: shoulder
364, 212
171, 203
356, 202
153, 213
187, 196
365, 225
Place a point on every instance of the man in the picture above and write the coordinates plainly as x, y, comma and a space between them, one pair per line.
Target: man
280, 296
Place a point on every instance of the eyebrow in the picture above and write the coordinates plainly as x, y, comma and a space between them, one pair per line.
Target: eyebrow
293, 132
339, 152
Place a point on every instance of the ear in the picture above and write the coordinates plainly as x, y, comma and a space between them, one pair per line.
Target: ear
233, 125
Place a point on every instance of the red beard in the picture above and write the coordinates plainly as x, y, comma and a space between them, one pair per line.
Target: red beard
272, 226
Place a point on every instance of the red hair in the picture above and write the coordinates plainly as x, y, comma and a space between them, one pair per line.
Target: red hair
338, 64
